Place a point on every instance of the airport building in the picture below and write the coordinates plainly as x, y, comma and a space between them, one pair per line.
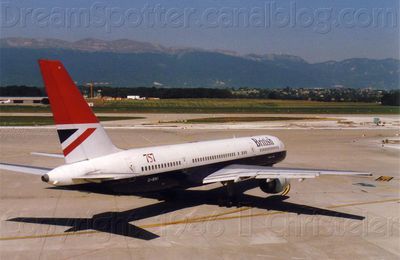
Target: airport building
24, 100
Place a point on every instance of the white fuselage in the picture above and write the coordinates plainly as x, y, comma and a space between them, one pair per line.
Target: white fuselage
166, 158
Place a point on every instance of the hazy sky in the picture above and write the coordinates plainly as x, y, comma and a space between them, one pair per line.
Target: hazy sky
317, 30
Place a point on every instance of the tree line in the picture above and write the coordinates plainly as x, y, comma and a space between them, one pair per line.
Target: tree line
391, 98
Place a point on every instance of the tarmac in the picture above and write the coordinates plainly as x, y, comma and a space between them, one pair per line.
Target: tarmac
324, 218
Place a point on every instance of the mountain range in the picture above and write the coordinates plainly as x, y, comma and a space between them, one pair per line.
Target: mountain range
129, 63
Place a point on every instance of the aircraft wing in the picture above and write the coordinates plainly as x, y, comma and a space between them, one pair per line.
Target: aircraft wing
24, 169
237, 172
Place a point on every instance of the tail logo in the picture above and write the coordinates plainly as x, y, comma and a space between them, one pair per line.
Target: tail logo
65, 134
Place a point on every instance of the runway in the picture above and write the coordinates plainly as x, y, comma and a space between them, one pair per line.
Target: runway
330, 217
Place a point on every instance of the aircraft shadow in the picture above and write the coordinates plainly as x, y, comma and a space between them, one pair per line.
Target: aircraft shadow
118, 222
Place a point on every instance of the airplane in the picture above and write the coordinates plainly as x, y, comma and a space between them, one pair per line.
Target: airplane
5, 101
92, 160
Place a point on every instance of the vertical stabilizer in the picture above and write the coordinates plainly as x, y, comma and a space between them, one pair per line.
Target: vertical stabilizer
80, 133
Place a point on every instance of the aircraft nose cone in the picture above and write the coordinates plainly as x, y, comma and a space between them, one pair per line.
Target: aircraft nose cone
45, 178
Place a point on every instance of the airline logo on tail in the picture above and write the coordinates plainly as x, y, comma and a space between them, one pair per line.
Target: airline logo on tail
69, 145
80, 133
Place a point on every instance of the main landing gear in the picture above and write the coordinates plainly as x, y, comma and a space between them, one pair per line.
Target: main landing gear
231, 198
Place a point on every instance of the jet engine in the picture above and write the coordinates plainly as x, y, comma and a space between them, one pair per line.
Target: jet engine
274, 186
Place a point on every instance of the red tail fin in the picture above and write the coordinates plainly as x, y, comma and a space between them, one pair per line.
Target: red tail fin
67, 104
81, 136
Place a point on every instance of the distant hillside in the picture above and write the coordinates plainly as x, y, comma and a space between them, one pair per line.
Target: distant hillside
132, 63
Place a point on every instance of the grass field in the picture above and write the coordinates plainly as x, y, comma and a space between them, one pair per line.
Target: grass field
44, 120
238, 119
225, 106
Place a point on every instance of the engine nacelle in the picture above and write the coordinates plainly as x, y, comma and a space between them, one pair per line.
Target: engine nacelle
275, 186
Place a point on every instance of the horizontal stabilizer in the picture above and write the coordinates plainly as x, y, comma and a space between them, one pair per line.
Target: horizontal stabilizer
236, 172
53, 155
103, 177
24, 169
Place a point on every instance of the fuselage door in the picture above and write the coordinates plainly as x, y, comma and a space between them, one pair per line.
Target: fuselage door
131, 165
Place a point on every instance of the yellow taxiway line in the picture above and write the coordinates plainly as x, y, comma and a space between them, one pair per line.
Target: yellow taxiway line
214, 217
